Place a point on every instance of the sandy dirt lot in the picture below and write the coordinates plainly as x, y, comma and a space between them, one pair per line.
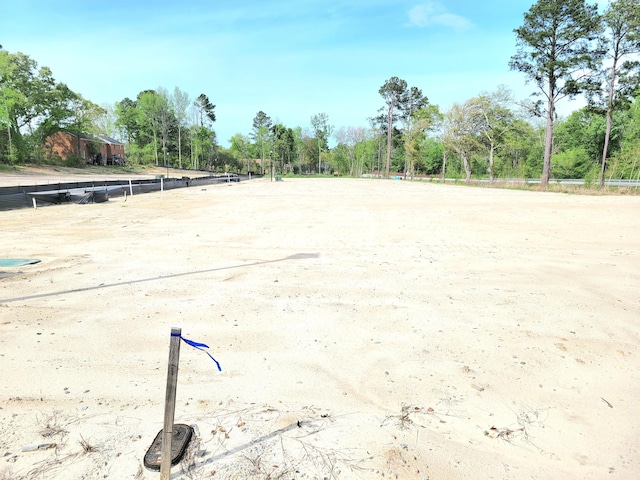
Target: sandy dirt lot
365, 329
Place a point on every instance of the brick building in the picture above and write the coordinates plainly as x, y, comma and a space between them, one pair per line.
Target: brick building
98, 150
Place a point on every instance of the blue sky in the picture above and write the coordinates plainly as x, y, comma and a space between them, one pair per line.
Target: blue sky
290, 59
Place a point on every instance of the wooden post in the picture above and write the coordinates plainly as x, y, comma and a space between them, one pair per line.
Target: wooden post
170, 403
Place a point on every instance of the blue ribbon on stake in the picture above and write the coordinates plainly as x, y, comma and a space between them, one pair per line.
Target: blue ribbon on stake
198, 346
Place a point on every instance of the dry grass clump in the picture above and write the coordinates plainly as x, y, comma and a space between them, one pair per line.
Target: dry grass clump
526, 419
263, 443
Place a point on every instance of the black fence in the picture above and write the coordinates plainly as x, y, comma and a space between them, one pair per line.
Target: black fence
98, 191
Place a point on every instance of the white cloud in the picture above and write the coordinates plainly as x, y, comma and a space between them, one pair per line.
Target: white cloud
432, 13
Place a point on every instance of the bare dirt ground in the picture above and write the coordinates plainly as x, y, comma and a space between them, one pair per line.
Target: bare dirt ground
365, 328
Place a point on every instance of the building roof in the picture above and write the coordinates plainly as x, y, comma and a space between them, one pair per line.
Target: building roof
107, 139
103, 138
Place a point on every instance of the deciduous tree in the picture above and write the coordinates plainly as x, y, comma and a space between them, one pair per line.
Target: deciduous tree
166, 119
76, 115
462, 132
351, 137
416, 125
7, 101
283, 144
495, 120
127, 122
106, 122
179, 103
322, 130
28, 94
148, 102
203, 132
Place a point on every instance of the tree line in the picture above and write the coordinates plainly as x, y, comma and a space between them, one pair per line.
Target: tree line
565, 48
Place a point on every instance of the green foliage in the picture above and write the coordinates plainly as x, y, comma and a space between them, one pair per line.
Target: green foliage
494, 121
205, 109
591, 176
127, 114
340, 160
632, 133
240, 146
354, 143
70, 112
141, 155
583, 128
226, 162
416, 128
622, 75
260, 134
155, 122
571, 163
555, 40
74, 161
203, 141
557, 50
150, 105
586, 128
309, 152
479, 136
284, 145
322, 130
483, 132
398, 159
534, 161
179, 104
462, 133
521, 152
33, 106
430, 158
401, 103
621, 22
626, 162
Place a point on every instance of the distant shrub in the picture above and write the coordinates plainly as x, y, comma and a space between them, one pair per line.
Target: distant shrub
74, 161
572, 163
592, 177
